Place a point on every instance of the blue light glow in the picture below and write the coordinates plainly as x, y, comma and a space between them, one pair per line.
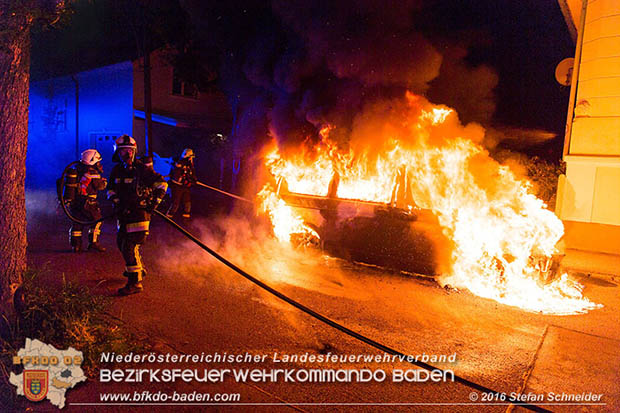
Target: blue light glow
105, 109
156, 118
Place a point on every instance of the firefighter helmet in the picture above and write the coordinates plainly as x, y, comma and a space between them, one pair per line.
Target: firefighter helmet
90, 157
187, 153
124, 141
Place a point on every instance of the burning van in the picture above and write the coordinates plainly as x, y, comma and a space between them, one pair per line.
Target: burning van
410, 187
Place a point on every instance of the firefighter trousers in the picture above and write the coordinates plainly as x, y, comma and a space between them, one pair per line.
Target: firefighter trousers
128, 239
180, 194
85, 210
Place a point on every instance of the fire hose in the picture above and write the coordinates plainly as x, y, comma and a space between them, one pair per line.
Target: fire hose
223, 192
496, 395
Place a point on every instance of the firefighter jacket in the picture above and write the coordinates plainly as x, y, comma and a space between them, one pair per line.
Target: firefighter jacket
89, 181
136, 191
183, 173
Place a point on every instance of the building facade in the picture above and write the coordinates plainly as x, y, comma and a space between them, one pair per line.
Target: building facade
589, 194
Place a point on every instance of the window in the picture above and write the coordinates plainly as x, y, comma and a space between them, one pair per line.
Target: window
103, 141
181, 88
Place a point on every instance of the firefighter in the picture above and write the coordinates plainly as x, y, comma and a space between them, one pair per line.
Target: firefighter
86, 181
135, 190
182, 177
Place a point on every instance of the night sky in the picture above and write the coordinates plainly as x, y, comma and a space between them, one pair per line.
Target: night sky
523, 40
499, 56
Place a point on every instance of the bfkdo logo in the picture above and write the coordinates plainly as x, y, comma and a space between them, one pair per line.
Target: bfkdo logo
48, 373
36, 384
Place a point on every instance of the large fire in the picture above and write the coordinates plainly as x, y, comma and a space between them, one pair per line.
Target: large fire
418, 155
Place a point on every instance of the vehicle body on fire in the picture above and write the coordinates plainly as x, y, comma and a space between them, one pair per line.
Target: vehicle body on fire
396, 235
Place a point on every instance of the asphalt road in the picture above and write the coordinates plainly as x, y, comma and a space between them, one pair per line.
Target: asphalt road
193, 304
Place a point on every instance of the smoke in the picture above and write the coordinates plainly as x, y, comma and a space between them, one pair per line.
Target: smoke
303, 64
248, 243
43, 212
41, 204
466, 88
352, 53
291, 67
364, 41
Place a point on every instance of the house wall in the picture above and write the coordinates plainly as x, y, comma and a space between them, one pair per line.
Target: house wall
188, 120
589, 196
105, 111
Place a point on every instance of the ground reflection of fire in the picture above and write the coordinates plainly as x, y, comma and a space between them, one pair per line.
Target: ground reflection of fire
418, 155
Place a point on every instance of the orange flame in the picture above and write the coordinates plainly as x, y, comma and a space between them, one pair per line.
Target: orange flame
497, 225
285, 221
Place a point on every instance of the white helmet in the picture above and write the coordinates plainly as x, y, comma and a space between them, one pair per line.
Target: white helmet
90, 157
187, 153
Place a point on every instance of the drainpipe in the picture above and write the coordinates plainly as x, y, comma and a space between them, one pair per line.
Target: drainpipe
148, 108
575, 77
77, 116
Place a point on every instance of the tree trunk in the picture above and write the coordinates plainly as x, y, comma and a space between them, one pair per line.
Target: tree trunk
14, 84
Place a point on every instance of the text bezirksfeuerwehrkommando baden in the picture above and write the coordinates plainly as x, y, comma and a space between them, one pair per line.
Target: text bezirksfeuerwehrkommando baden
316, 375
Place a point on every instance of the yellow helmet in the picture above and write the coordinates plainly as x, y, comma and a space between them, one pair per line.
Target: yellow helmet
187, 153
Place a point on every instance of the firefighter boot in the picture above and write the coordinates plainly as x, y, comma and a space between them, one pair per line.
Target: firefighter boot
76, 240
95, 246
93, 235
187, 207
133, 285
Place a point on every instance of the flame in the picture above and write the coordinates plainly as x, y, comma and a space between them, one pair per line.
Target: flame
285, 221
500, 230
437, 115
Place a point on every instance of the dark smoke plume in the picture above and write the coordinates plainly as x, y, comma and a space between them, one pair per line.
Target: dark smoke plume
291, 67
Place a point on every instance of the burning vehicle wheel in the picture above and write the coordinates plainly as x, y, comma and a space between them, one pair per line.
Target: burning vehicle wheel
306, 239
